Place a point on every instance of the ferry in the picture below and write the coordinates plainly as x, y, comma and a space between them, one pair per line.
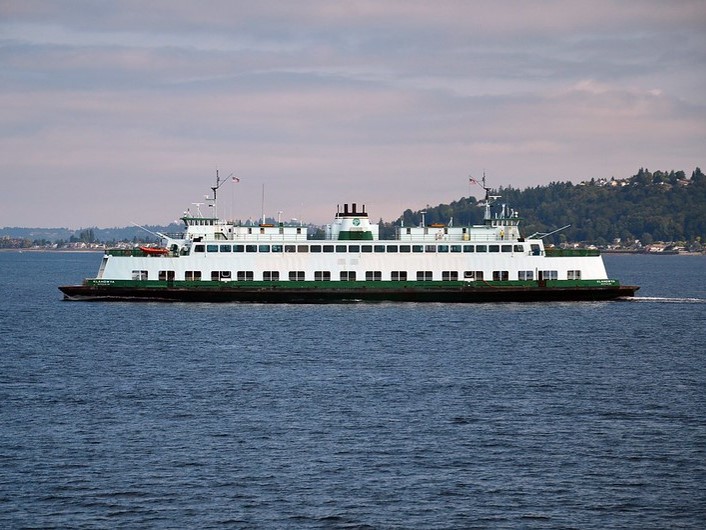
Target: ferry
215, 260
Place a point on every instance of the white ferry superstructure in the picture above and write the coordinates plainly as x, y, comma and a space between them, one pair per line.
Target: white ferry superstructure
220, 261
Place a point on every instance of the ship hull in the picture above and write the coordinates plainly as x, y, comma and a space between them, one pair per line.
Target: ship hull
285, 295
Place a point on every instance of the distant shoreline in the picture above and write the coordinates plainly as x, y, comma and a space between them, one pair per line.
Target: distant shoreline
67, 250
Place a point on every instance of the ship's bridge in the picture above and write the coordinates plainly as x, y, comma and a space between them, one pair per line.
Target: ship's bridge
198, 228
212, 228
439, 232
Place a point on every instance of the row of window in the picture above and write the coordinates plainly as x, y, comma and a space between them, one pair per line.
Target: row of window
351, 275
362, 248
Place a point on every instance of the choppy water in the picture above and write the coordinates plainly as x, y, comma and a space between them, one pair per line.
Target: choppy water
568, 415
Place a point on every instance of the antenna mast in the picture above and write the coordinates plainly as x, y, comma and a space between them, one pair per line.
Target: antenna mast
262, 207
214, 199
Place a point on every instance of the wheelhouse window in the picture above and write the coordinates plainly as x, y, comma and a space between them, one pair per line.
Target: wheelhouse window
535, 249
302, 248
506, 248
449, 276
481, 248
405, 248
199, 248
366, 248
211, 248
379, 248
328, 248
225, 248
519, 248
354, 248
290, 248
238, 248
315, 248
417, 248
430, 248
263, 248
392, 248
341, 248
250, 248
442, 248
455, 248
493, 248
468, 248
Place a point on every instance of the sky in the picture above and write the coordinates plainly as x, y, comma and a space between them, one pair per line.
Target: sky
114, 113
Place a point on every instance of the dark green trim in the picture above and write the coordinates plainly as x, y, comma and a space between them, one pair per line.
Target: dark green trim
347, 235
571, 252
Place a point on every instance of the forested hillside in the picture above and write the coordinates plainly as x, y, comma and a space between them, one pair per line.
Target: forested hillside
664, 206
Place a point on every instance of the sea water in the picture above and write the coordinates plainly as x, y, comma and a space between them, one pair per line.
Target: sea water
149, 415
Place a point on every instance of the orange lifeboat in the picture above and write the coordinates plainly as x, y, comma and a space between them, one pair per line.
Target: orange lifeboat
154, 251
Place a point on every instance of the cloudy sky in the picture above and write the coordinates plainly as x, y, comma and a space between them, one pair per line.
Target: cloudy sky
114, 112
